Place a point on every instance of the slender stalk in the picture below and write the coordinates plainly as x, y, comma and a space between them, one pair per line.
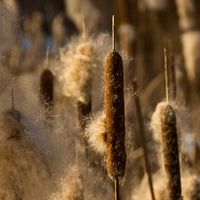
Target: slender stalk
113, 32
47, 58
116, 189
142, 137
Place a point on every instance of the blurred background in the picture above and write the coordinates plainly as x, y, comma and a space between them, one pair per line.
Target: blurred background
143, 29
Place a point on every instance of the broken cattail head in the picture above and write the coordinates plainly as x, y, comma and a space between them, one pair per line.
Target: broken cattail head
115, 118
170, 151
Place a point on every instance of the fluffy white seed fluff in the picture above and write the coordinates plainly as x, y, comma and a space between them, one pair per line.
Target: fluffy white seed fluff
77, 64
155, 127
155, 124
78, 73
96, 132
70, 186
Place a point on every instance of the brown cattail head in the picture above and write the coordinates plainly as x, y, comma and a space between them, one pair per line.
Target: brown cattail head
170, 151
115, 119
46, 90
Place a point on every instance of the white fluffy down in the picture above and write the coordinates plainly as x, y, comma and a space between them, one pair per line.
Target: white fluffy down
77, 65
96, 132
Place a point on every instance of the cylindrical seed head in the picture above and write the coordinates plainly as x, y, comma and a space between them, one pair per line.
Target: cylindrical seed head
170, 151
115, 118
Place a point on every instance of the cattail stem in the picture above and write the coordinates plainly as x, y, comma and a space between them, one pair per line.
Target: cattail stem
142, 137
171, 153
166, 76
116, 189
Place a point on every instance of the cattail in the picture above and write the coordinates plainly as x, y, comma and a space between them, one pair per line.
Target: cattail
171, 152
115, 119
46, 89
